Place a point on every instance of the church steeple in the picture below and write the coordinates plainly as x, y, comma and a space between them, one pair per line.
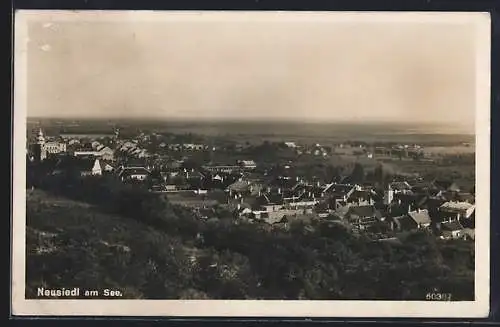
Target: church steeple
40, 137
39, 147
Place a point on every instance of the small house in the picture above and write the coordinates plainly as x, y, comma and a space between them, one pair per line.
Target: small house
451, 230
411, 221
363, 217
247, 164
89, 167
454, 210
134, 173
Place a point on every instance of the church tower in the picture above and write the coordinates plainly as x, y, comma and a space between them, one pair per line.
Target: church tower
40, 152
388, 195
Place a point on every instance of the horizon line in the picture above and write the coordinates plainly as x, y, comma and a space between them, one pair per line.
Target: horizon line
253, 119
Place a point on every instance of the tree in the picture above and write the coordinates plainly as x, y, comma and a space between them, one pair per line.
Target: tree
378, 175
358, 173
332, 173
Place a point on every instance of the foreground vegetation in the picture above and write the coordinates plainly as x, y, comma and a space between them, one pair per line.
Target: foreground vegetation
97, 233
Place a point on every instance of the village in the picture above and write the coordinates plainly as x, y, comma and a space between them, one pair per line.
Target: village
276, 194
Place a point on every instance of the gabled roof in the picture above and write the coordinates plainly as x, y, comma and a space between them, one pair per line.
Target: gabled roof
421, 217
341, 189
451, 226
304, 191
452, 206
466, 197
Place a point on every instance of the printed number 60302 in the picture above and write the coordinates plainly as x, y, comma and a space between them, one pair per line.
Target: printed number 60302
438, 296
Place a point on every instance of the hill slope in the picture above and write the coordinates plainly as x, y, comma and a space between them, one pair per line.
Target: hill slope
71, 244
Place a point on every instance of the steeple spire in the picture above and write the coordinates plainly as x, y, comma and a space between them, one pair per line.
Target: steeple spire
41, 137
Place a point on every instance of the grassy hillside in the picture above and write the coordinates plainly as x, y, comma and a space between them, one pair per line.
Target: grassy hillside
71, 244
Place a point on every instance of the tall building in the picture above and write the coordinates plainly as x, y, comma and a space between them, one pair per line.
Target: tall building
388, 195
39, 150
42, 148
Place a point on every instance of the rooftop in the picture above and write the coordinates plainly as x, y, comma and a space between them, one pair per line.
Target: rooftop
420, 216
451, 226
338, 188
456, 206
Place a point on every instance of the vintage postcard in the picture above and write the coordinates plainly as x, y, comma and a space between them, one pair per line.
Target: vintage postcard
251, 164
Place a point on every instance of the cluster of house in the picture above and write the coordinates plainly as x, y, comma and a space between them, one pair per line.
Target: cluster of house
94, 149
72, 145
132, 149
131, 163
174, 177
276, 199
440, 207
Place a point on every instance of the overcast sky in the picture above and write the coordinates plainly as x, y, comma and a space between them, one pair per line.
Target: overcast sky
252, 68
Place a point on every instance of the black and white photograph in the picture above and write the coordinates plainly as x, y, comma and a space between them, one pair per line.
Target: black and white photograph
288, 163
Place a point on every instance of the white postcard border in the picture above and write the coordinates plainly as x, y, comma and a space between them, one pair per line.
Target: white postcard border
250, 308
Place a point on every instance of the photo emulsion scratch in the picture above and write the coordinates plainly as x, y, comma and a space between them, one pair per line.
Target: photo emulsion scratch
292, 164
